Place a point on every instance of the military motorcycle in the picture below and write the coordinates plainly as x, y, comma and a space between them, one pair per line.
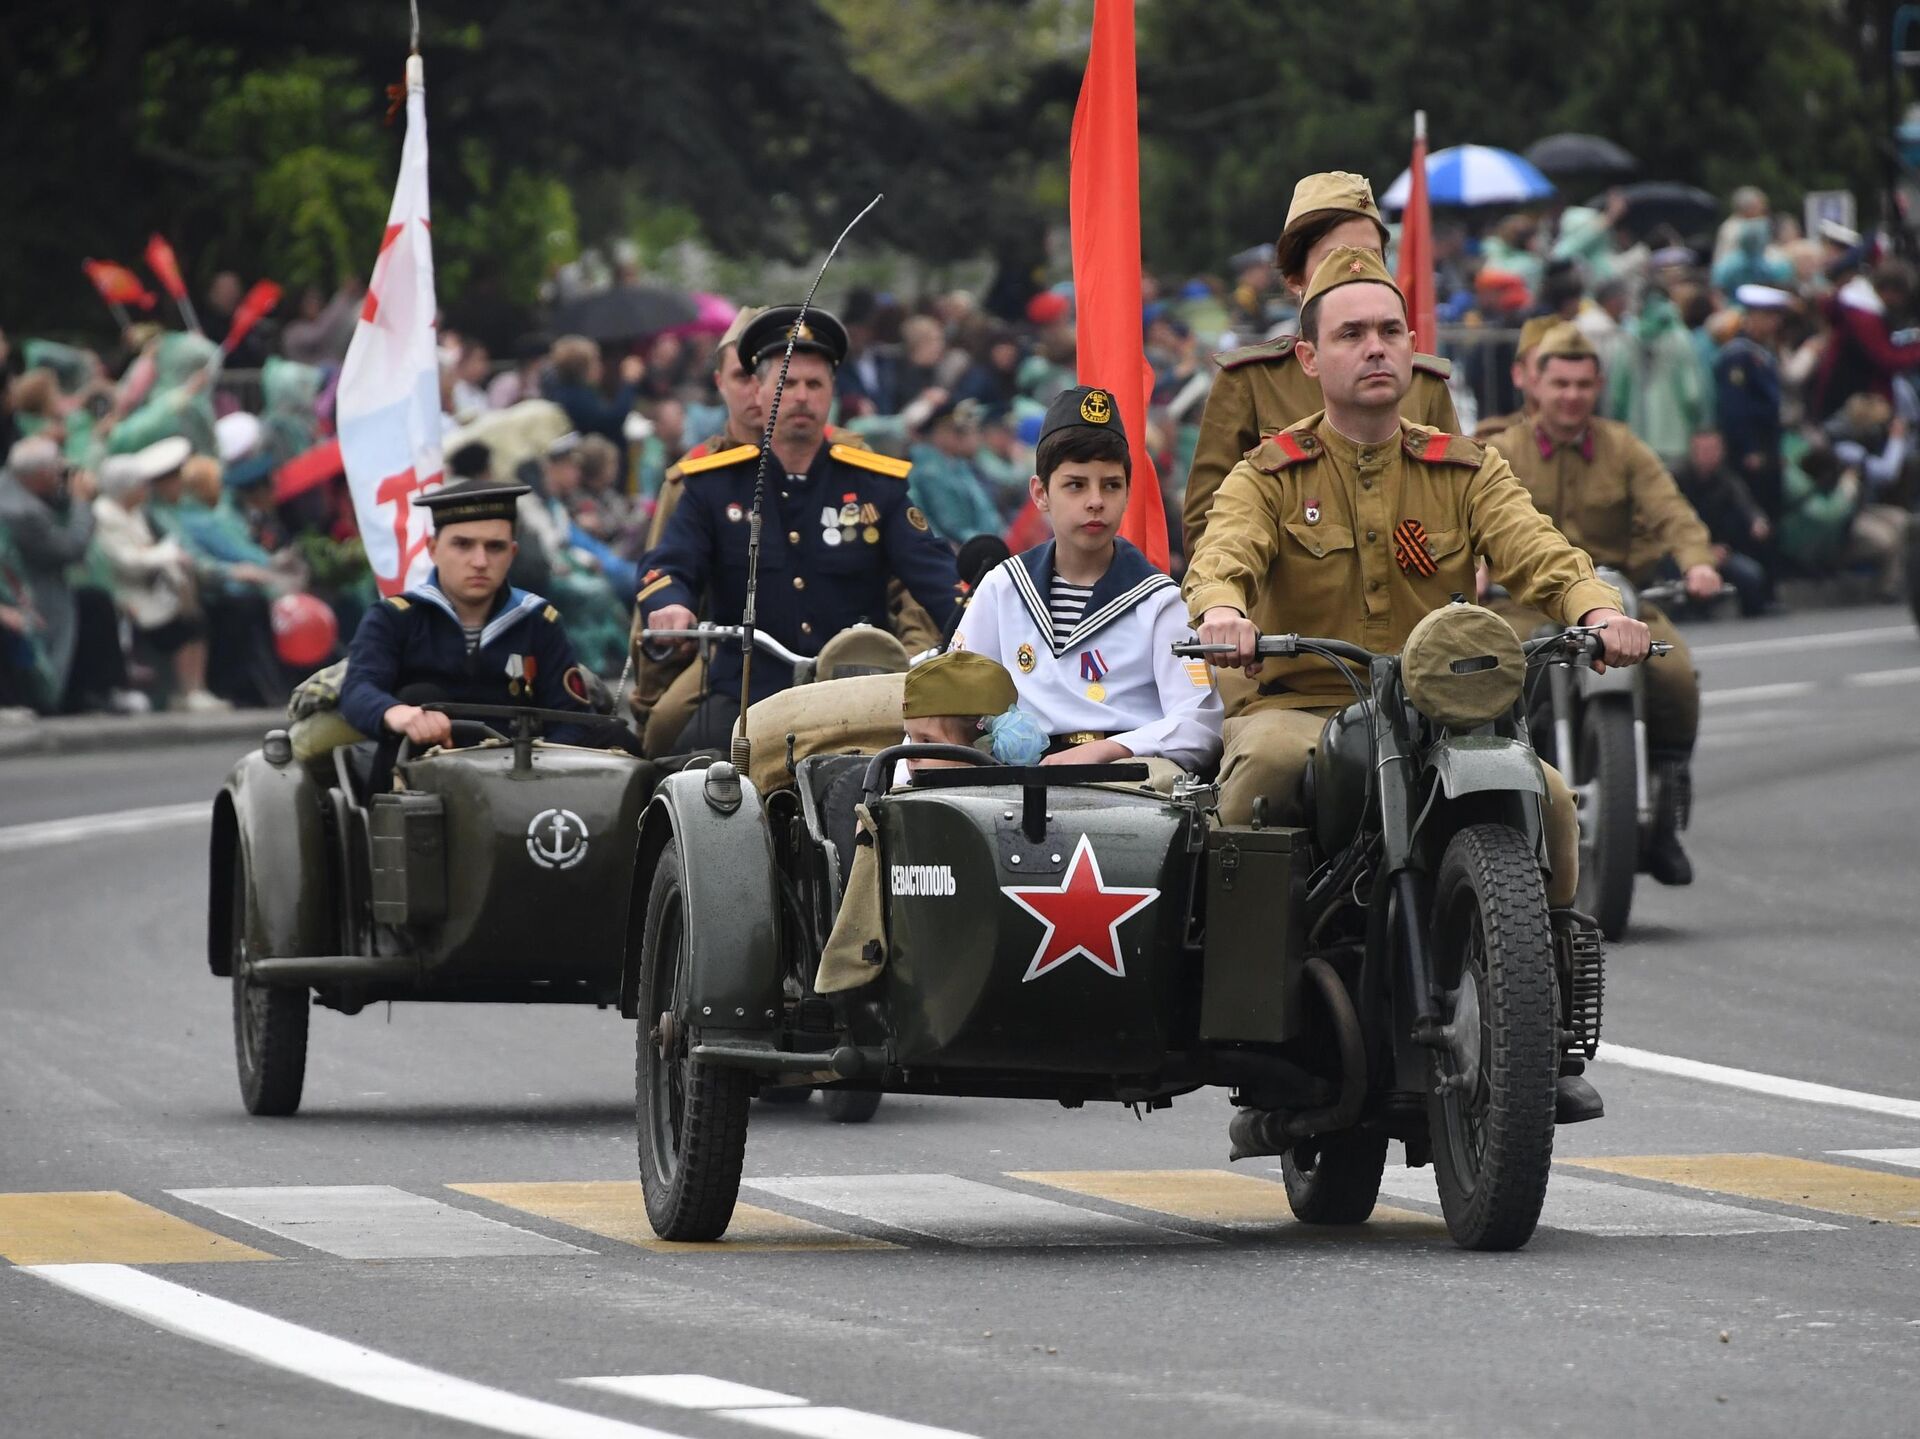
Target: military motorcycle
1389, 971
1596, 731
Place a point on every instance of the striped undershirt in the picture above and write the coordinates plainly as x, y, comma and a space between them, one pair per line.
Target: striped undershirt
1067, 605
473, 638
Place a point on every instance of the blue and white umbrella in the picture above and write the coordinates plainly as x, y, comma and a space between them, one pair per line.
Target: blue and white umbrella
1473, 175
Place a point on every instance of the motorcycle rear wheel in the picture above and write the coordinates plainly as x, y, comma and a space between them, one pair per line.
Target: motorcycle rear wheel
1609, 815
1335, 1180
1492, 1121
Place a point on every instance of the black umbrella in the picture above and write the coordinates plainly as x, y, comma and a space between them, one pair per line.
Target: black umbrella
625, 314
1686, 209
1580, 155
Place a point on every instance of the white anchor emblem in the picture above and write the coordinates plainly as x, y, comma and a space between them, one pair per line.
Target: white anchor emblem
557, 839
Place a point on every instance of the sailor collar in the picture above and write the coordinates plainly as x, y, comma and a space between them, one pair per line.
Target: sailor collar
1128, 580
510, 606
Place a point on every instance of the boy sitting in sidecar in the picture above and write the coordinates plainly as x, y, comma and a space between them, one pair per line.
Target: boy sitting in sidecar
1085, 622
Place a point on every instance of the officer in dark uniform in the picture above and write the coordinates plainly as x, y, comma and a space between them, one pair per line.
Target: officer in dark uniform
838, 526
463, 636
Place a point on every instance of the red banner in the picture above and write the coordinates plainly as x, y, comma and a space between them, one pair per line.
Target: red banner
1416, 247
117, 285
1104, 214
166, 269
259, 300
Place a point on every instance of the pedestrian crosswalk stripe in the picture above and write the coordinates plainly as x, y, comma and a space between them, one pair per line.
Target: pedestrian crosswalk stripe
616, 1209
1804, 1183
1905, 1158
690, 1391
829, 1423
953, 1210
1617, 1211
766, 1408
1207, 1196
108, 1228
372, 1221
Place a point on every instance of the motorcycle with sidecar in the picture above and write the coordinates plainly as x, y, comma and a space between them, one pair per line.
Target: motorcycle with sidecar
1390, 970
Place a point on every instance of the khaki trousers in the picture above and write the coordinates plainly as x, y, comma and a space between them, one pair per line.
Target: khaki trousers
1268, 749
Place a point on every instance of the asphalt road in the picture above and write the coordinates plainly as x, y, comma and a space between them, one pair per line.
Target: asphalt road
992, 1268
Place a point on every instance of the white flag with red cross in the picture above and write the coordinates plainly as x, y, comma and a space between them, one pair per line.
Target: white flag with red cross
389, 399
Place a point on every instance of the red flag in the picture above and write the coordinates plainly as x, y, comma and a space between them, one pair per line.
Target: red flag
307, 469
259, 300
1104, 213
1416, 246
165, 267
117, 284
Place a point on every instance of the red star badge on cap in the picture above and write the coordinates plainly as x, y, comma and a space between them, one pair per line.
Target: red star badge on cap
1355, 267
1083, 915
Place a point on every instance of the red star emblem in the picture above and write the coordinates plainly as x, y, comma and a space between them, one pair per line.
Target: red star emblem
1082, 915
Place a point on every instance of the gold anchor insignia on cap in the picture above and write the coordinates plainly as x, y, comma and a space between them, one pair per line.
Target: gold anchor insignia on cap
802, 333
1096, 408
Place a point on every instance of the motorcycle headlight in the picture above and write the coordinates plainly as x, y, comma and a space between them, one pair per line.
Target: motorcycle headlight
1463, 666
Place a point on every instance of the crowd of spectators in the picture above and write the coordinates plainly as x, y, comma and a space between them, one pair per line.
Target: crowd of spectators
156, 507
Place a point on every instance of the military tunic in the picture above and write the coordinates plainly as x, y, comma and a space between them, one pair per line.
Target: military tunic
831, 541
1262, 388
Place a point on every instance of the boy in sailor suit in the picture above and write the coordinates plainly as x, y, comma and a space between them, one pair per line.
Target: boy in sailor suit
1084, 623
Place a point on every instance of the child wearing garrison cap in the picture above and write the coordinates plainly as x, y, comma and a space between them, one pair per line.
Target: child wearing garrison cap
1085, 622
966, 699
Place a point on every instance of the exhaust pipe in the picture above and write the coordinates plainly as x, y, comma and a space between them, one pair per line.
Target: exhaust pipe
1256, 1132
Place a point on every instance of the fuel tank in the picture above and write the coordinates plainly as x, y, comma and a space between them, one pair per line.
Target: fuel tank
1341, 764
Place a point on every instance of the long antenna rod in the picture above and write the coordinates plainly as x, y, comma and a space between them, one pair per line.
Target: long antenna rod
740, 752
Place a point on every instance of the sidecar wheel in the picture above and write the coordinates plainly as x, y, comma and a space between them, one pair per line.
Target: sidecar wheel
692, 1114
1335, 1180
850, 1106
1491, 1118
1609, 816
269, 1025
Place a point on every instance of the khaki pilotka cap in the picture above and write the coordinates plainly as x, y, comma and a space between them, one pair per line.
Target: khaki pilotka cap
1350, 265
1565, 339
1332, 192
746, 316
1534, 331
959, 682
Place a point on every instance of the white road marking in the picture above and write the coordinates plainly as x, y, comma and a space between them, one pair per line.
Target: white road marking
15, 837
1874, 679
965, 1211
690, 1391
373, 1221
1905, 1158
764, 1407
1788, 643
1751, 694
1618, 1211
838, 1424
1774, 1085
327, 1360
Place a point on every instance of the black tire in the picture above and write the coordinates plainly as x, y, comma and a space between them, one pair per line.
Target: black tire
850, 1106
1335, 1180
787, 1096
1913, 564
1609, 815
1493, 1136
692, 1115
269, 1025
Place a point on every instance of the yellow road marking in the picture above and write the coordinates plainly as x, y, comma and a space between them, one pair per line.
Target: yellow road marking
105, 1227
1209, 1196
1805, 1183
616, 1209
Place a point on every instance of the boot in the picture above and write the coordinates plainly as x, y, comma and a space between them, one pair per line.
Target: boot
1576, 1100
1667, 861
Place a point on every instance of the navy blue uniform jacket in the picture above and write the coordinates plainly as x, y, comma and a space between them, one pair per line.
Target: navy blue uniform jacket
811, 587
416, 638
1747, 392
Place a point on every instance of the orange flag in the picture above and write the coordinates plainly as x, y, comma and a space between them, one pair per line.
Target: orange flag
117, 285
160, 260
1416, 247
1104, 213
259, 300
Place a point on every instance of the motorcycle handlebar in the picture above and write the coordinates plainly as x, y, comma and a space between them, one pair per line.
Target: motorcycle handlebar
1281, 646
706, 635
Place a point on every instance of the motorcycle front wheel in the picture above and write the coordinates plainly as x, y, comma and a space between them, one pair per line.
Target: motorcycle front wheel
1491, 1112
1607, 792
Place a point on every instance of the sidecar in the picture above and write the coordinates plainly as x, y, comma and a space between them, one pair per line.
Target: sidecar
487, 876
1055, 932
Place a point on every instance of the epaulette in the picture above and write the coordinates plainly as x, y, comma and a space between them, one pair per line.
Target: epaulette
400, 603
838, 436
652, 582
717, 462
1432, 364
1435, 447
1277, 349
869, 460
550, 615
1284, 448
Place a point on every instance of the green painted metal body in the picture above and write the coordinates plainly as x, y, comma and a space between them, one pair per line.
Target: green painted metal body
957, 991
273, 814
1477, 763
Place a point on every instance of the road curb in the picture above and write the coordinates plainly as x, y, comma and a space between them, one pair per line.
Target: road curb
85, 734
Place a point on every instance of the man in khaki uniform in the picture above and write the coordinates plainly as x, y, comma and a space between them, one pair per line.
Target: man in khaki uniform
1531, 334
1610, 495
1262, 388
1353, 524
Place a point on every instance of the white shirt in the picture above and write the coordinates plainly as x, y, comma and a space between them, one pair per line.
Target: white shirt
1115, 672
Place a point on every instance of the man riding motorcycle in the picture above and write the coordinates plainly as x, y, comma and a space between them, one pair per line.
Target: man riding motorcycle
1610, 495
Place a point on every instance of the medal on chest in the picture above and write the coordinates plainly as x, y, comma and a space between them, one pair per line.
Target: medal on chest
520, 673
1093, 668
1313, 512
1024, 657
